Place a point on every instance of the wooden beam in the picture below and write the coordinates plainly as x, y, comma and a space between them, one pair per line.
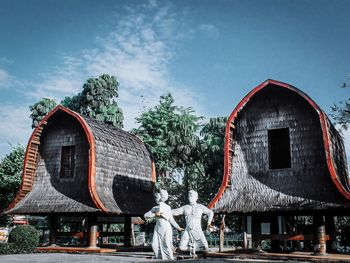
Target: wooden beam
52, 229
330, 230
281, 237
256, 231
275, 244
127, 231
222, 234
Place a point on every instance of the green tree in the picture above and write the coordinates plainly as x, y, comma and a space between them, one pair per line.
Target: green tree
212, 143
205, 174
97, 100
10, 175
40, 109
170, 133
188, 155
341, 111
212, 156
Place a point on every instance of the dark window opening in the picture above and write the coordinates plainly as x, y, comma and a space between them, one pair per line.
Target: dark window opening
67, 161
279, 148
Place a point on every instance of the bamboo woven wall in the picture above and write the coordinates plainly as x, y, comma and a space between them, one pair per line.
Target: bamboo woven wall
123, 170
339, 157
113, 169
50, 192
306, 185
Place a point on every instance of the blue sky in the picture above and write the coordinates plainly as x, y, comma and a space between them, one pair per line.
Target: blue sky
209, 54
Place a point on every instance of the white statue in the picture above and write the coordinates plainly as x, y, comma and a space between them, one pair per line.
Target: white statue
162, 243
193, 238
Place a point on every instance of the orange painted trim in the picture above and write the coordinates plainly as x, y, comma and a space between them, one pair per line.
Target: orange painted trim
329, 159
154, 174
17, 197
324, 128
92, 157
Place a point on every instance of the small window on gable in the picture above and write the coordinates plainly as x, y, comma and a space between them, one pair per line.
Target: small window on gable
67, 161
279, 148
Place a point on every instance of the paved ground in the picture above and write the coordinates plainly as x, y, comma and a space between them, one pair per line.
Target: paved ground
92, 258
72, 258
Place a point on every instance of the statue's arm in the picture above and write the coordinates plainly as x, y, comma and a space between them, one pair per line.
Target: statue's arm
150, 213
173, 223
178, 211
209, 213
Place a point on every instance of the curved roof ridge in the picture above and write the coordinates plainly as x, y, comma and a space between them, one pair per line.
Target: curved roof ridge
324, 127
92, 158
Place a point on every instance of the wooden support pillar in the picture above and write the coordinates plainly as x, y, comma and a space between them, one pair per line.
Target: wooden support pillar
52, 220
100, 228
222, 234
93, 228
127, 231
330, 230
245, 231
320, 235
256, 231
274, 231
133, 238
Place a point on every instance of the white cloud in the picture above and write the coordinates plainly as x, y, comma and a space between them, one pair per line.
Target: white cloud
209, 29
138, 51
15, 126
6, 80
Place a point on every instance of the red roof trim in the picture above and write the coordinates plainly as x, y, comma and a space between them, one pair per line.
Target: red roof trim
325, 134
154, 175
92, 157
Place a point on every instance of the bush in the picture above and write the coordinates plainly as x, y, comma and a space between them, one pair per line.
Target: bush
23, 239
7, 248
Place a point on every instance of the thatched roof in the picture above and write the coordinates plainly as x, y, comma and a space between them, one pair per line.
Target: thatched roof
318, 177
114, 171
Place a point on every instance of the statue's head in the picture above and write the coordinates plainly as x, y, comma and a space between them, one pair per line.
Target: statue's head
164, 195
157, 197
192, 197
161, 196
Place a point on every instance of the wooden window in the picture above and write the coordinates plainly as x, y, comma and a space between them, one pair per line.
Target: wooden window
279, 148
67, 161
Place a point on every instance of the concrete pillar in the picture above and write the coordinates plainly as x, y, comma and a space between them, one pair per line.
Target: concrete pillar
320, 235
93, 228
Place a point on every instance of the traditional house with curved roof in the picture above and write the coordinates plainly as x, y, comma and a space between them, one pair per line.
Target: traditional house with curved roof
282, 155
75, 165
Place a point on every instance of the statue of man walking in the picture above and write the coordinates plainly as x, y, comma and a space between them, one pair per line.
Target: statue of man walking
193, 237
